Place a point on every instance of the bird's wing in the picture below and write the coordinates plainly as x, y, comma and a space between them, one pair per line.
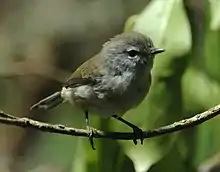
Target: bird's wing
86, 74
77, 81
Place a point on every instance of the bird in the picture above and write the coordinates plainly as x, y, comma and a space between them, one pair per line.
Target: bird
110, 83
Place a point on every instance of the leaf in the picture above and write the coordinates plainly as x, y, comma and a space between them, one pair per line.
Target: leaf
79, 157
173, 161
212, 53
160, 20
130, 23
110, 154
215, 14
166, 23
199, 91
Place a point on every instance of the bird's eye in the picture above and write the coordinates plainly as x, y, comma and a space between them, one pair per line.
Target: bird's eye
133, 53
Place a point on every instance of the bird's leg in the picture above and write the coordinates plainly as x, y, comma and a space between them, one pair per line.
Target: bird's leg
137, 131
90, 130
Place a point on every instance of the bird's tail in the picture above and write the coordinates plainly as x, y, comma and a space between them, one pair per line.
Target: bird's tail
48, 102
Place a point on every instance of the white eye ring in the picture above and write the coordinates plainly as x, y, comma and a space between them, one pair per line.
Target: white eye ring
133, 53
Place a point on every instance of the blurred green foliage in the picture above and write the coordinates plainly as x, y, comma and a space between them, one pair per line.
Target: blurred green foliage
186, 81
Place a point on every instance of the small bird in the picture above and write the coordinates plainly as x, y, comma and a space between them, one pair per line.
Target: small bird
110, 83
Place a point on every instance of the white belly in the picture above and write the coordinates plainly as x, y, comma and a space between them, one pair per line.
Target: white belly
111, 101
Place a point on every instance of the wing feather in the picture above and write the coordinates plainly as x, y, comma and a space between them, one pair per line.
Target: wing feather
86, 74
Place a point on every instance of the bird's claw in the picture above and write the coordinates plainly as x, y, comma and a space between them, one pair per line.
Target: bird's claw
91, 137
138, 134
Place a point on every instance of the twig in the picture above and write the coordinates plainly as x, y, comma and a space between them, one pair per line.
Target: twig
2, 114
61, 129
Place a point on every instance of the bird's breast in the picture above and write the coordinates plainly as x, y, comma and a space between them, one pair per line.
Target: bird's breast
124, 91
135, 92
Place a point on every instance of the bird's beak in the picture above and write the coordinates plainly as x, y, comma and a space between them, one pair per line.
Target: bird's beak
157, 50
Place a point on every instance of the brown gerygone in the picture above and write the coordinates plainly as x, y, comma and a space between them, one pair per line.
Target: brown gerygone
112, 82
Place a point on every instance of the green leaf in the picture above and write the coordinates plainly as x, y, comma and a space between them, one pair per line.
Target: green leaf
212, 53
172, 162
80, 157
110, 154
130, 23
166, 23
215, 14
199, 91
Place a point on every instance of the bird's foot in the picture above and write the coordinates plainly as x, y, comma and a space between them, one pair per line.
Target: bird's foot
91, 132
138, 134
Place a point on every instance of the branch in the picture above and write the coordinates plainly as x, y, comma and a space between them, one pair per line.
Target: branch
61, 129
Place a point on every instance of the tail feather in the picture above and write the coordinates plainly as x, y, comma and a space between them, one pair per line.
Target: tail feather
49, 102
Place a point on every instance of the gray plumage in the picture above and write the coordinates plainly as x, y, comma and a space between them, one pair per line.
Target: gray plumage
112, 82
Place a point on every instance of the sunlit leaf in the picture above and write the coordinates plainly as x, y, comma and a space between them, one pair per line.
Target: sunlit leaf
215, 14
167, 24
130, 23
